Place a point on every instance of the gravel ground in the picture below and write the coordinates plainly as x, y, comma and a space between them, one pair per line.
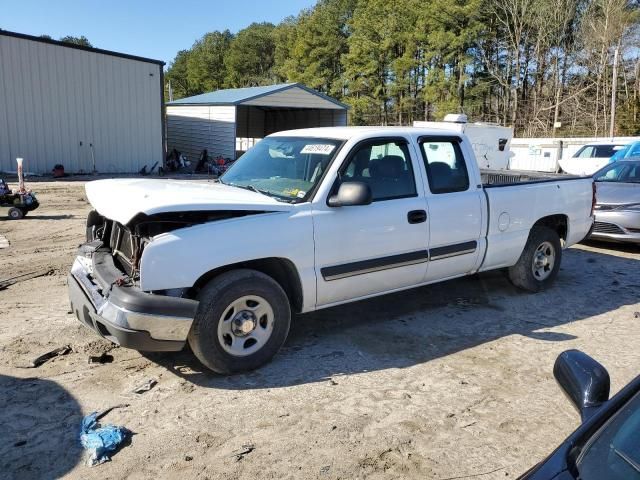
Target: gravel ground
442, 382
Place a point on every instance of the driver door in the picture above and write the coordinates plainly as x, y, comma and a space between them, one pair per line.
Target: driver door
368, 249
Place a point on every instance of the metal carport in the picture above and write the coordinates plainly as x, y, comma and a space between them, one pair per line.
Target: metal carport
228, 122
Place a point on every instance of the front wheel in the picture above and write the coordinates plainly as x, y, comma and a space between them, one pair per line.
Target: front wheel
15, 213
539, 262
242, 321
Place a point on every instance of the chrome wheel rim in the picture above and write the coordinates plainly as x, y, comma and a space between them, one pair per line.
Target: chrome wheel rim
245, 325
544, 259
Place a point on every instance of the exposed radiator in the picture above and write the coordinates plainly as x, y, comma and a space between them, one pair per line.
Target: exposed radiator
122, 246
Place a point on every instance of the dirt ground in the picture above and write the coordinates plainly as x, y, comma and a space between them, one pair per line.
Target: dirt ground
442, 382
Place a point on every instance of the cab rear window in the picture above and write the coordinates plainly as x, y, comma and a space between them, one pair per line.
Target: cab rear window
446, 169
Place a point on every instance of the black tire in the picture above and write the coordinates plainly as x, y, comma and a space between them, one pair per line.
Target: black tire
15, 213
522, 273
216, 298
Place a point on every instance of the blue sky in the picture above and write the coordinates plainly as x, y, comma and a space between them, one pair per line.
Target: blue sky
156, 29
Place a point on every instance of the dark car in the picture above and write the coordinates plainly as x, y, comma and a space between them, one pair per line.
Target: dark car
607, 444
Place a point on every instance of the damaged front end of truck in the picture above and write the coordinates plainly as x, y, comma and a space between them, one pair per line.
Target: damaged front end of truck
105, 287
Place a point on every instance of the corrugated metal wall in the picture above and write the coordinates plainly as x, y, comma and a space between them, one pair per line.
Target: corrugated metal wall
190, 129
277, 120
53, 98
250, 122
258, 122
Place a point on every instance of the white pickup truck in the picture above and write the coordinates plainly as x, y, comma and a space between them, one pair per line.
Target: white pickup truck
308, 219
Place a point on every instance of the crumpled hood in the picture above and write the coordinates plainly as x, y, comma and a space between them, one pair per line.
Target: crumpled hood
615, 193
123, 199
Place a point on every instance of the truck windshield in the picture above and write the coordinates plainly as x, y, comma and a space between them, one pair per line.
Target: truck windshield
287, 168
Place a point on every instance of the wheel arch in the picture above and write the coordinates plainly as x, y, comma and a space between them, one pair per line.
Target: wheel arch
282, 270
559, 223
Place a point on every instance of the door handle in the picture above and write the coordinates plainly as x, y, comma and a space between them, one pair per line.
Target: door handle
417, 216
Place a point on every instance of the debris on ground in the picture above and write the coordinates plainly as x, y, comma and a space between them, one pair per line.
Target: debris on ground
107, 410
45, 357
246, 450
101, 442
4, 243
636, 314
146, 386
104, 358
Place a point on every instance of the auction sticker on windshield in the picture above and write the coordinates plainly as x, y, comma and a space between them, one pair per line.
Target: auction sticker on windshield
318, 149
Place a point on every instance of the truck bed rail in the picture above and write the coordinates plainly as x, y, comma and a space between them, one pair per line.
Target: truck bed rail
500, 178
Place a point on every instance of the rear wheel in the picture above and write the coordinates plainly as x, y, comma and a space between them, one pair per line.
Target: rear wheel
15, 213
539, 262
242, 321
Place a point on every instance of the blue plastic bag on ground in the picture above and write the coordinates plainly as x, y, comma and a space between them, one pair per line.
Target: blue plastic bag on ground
100, 442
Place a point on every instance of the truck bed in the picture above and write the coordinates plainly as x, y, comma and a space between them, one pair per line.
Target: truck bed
501, 178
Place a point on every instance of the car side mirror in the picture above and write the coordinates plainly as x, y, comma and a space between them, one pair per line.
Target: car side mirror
584, 381
351, 194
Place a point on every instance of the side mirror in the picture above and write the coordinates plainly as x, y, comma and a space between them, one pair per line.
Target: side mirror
584, 381
351, 194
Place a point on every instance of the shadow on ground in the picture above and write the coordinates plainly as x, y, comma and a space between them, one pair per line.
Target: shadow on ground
47, 217
617, 246
40, 427
38, 217
415, 326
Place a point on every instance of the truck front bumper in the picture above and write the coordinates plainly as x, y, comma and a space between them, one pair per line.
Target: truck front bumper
126, 315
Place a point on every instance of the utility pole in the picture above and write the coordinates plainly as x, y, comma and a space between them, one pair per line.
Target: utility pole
614, 87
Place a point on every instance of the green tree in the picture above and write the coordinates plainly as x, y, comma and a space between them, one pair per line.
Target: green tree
284, 37
206, 69
250, 58
313, 46
178, 76
381, 35
82, 40
448, 32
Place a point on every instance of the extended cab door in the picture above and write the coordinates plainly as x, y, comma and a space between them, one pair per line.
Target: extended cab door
368, 249
456, 205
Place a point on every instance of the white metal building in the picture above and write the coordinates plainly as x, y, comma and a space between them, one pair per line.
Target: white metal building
67, 104
228, 122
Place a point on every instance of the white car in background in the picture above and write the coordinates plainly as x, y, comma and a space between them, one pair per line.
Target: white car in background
590, 158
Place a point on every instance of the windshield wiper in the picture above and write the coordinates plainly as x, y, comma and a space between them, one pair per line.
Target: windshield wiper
252, 188
257, 190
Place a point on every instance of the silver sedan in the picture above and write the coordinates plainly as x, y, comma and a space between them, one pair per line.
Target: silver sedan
618, 202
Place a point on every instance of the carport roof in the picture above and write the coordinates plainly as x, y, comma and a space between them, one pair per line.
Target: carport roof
250, 96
